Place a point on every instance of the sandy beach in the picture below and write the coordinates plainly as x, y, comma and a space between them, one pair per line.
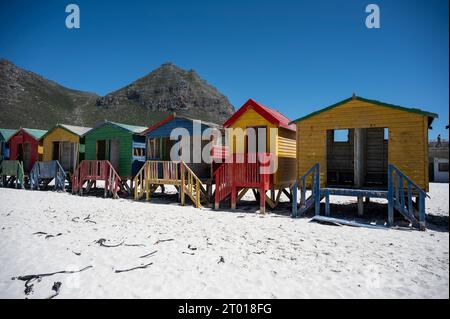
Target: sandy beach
186, 252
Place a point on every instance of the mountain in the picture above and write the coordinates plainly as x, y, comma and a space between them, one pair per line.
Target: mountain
29, 100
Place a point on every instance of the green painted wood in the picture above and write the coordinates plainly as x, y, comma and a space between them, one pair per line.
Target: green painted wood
108, 131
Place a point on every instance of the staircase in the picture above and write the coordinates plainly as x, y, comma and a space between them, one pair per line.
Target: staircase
312, 174
46, 172
412, 211
242, 172
158, 173
223, 183
398, 182
12, 173
91, 171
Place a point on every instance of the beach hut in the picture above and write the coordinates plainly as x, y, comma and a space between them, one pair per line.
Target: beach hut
5, 134
188, 172
24, 147
261, 156
366, 148
114, 153
65, 144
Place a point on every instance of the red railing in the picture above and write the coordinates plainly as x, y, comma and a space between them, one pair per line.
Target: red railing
89, 170
243, 171
219, 152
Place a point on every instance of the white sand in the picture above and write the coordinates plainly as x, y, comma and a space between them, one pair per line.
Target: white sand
268, 256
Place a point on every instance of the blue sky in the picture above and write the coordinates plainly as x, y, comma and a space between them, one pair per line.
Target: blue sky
295, 56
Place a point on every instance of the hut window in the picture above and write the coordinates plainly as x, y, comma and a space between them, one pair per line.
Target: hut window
138, 151
341, 136
443, 167
386, 134
154, 148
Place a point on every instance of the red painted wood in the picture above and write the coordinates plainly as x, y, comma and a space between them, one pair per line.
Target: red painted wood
269, 114
21, 137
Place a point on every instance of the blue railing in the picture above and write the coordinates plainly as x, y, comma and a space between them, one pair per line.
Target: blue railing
404, 204
48, 170
314, 199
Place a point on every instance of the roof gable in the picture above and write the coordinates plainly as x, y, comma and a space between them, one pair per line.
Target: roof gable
174, 121
267, 113
132, 129
5, 134
80, 131
430, 115
34, 133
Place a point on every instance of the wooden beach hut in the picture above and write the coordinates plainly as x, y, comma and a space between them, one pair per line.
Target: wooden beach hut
188, 173
114, 153
5, 134
261, 156
65, 144
366, 148
24, 147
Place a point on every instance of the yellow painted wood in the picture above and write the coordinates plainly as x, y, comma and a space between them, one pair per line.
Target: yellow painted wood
57, 135
280, 142
408, 137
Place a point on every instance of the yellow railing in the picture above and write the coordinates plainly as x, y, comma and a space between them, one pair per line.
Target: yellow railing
177, 173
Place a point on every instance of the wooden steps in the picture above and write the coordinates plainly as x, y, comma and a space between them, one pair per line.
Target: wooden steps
90, 171
400, 193
159, 173
43, 173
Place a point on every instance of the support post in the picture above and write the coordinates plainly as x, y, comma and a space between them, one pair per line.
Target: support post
182, 186
294, 200
360, 206
327, 203
317, 195
422, 216
390, 196
359, 154
262, 200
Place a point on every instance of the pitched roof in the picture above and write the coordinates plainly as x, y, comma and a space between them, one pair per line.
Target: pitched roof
430, 115
37, 134
269, 114
77, 130
130, 128
6, 133
173, 116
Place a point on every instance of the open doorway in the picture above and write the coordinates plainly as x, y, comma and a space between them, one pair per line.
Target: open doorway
114, 146
357, 157
101, 150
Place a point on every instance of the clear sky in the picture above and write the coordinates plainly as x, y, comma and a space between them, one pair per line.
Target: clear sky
295, 56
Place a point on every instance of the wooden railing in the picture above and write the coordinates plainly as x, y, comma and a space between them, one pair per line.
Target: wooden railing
192, 186
13, 169
92, 170
175, 173
48, 170
397, 183
314, 199
242, 170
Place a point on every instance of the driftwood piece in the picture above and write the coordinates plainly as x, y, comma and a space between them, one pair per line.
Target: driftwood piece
148, 255
56, 288
134, 268
102, 241
31, 278
162, 240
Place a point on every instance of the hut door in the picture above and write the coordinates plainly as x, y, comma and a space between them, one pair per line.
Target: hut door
114, 153
376, 156
66, 155
55, 154
26, 155
101, 150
